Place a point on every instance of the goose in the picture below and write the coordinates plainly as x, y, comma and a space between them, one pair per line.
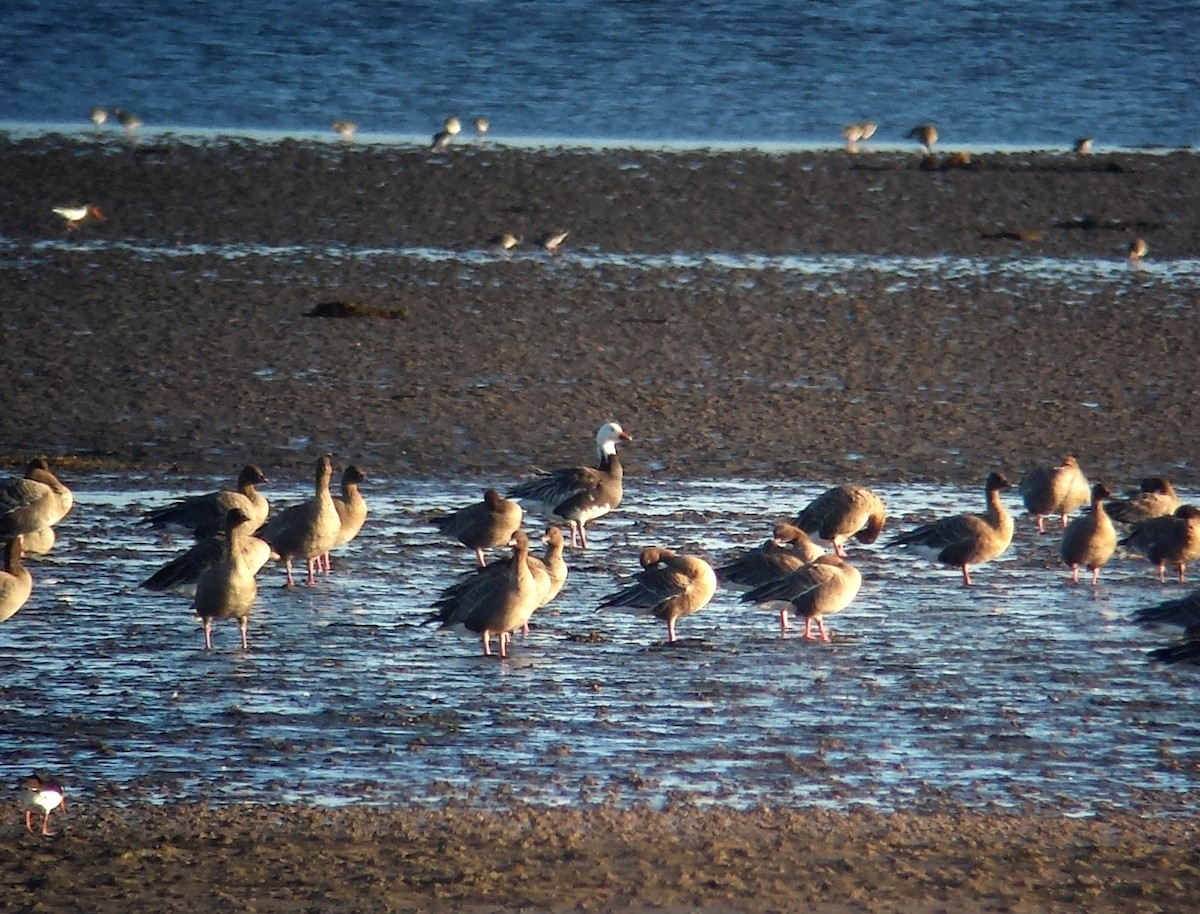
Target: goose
669, 587
351, 509
307, 530
1058, 490
963, 540
816, 590
75, 216
488, 524
1183, 612
843, 512
1156, 497
576, 495
227, 589
1091, 539
16, 583
926, 135
1172, 540
497, 602
33, 502
39, 792
204, 515
182, 572
549, 573
788, 549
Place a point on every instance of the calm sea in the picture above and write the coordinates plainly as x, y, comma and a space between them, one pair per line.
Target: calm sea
1019, 73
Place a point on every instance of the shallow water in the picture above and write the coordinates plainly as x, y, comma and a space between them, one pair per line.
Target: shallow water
1020, 690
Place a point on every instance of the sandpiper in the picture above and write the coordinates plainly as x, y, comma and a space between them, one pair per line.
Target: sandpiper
505, 241
127, 119
1083, 146
1137, 250
345, 129
854, 134
99, 116
550, 242
926, 135
452, 125
481, 127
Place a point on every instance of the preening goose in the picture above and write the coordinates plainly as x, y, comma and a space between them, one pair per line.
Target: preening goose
1054, 490
488, 524
576, 495
1090, 539
1156, 497
16, 583
786, 551
963, 540
1172, 540
307, 530
816, 590
227, 589
204, 515
669, 587
33, 502
843, 512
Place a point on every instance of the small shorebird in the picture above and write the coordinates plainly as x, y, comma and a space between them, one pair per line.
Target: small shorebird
854, 134
452, 125
127, 119
39, 792
1137, 251
482, 127
75, 215
551, 241
441, 141
926, 135
99, 116
669, 587
504, 242
345, 129
1083, 146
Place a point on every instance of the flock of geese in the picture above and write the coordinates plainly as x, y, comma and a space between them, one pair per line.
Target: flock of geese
791, 573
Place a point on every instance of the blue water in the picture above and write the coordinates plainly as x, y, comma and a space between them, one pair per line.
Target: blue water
1022, 73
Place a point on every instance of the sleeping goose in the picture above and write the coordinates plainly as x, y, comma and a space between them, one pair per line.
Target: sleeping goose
227, 589
576, 495
1172, 540
669, 587
351, 509
488, 524
786, 551
843, 512
1155, 497
812, 592
42, 793
16, 583
1090, 539
963, 540
307, 530
1054, 490
497, 602
33, 502
204, 515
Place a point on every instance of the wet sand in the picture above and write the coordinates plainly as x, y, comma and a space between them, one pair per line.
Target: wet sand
201, 362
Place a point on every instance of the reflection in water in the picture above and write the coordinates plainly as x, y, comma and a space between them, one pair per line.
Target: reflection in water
1021, 689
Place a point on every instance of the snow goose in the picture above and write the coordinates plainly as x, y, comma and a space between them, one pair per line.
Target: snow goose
788, 549
816, 590
1054, 490
488, 524
576, 495
1155, 497
42, 793
495, 600
228, 588
669, 587
36, 500
1090, 539
307, 530
1172, 540
963, 540
351, 509
204, 515
16, 583
843, 512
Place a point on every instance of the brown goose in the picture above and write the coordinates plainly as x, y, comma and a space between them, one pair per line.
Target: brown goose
669, 587
786, 551
31, 503
227, 589
488, 524
1091, 539
1155, 497
576, 495
495, 601
16, 583
1183, 612
351, 509
963, 540
307, 530
1173, 540
843, 512
204, 515
825, 587
1054, 490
